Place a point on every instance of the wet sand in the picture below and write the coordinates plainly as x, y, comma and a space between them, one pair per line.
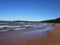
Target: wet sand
53, 38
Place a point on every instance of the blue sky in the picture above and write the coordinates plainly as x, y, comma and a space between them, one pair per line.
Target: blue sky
33, 10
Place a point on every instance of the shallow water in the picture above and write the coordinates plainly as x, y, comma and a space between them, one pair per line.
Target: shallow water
26, 36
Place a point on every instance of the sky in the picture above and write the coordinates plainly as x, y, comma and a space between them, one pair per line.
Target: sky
32, 10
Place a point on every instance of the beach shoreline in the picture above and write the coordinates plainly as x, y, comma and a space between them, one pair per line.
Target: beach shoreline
52, 39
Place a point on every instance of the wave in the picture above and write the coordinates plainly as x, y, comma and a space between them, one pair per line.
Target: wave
6, 28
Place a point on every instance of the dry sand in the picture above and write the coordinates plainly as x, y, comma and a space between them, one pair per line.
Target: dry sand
52, 39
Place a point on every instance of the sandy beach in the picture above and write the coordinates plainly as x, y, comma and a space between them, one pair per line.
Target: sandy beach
53, 38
